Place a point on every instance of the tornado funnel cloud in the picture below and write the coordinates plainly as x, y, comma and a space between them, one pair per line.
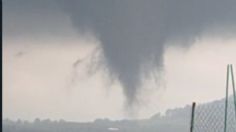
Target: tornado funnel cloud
133, 33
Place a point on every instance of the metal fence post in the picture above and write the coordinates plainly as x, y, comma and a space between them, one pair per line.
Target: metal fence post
233, 84
226, 100
192, 117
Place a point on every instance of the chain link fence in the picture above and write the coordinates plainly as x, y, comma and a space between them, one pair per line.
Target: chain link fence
219, 116
211, 117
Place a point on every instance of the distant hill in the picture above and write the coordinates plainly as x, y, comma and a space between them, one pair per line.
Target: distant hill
208, 117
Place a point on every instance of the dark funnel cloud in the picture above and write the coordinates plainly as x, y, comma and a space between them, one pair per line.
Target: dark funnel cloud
134, 33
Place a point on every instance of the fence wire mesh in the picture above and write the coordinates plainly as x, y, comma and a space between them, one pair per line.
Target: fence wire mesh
210, 117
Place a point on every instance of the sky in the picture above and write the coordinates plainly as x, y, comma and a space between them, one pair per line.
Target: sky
82, 60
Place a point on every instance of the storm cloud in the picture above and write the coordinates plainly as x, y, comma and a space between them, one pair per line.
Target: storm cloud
135, 33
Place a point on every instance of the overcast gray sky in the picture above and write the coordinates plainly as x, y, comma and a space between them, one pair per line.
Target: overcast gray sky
81, 60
